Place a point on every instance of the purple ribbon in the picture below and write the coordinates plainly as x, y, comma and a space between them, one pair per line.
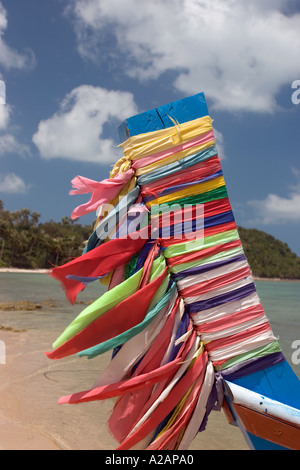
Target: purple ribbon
237, 294
207, 267
250, 366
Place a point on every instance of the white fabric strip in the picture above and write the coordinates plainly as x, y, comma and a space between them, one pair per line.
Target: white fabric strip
206, 337
213, 274
133, 349
221, 311
222, 256
200, 409
184, 337
178, 317
244, 346
222, 290
169, 387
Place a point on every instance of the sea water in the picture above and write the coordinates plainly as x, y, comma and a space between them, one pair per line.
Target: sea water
281, 302
55, 313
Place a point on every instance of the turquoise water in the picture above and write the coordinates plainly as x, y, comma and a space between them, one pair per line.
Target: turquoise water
38, 288
281, 301
56, 312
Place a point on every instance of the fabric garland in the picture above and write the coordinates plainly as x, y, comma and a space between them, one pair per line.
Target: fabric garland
181, 310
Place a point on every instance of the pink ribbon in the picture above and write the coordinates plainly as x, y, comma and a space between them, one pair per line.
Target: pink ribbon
202, 139
101, 192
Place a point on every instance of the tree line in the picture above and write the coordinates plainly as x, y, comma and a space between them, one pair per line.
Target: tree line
269, 257
27, 243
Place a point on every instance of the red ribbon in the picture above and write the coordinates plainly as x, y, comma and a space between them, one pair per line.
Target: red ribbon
99, 261
120, 318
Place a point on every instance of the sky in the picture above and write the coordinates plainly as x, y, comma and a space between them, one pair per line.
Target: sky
72, 70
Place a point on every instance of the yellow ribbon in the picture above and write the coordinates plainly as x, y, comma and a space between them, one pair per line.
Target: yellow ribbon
143, 145
190, 191
122, 165
173, 158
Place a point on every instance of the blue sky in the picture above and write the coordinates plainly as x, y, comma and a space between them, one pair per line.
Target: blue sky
74, 69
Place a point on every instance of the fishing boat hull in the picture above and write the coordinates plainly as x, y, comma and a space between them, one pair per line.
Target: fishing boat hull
266, 423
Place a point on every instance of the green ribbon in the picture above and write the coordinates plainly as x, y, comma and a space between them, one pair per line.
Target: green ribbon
127, 335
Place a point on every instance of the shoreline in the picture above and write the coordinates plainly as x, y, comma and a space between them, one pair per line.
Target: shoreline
45, 271
274, 279
20, 270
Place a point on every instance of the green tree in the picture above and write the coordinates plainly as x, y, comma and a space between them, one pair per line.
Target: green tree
5, 228
25, 242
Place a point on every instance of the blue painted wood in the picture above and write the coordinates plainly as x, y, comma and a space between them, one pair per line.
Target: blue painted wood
140, 124
278, 382
183, 110
263, 444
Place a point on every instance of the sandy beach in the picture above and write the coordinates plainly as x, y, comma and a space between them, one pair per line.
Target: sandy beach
30, 385
19, 270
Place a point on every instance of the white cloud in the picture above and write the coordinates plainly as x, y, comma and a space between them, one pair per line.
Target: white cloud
75, 131
12, 184
275, 209
10, 58
240, 53
9, 144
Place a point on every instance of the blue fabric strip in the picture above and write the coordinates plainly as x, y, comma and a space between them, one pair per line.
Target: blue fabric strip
237, 294
195, 225
207, 267
179, 165
84, 280
251, 366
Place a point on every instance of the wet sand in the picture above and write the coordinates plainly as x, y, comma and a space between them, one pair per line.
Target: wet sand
30, 385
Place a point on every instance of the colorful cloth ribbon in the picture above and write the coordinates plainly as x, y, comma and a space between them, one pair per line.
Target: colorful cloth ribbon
181, 310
